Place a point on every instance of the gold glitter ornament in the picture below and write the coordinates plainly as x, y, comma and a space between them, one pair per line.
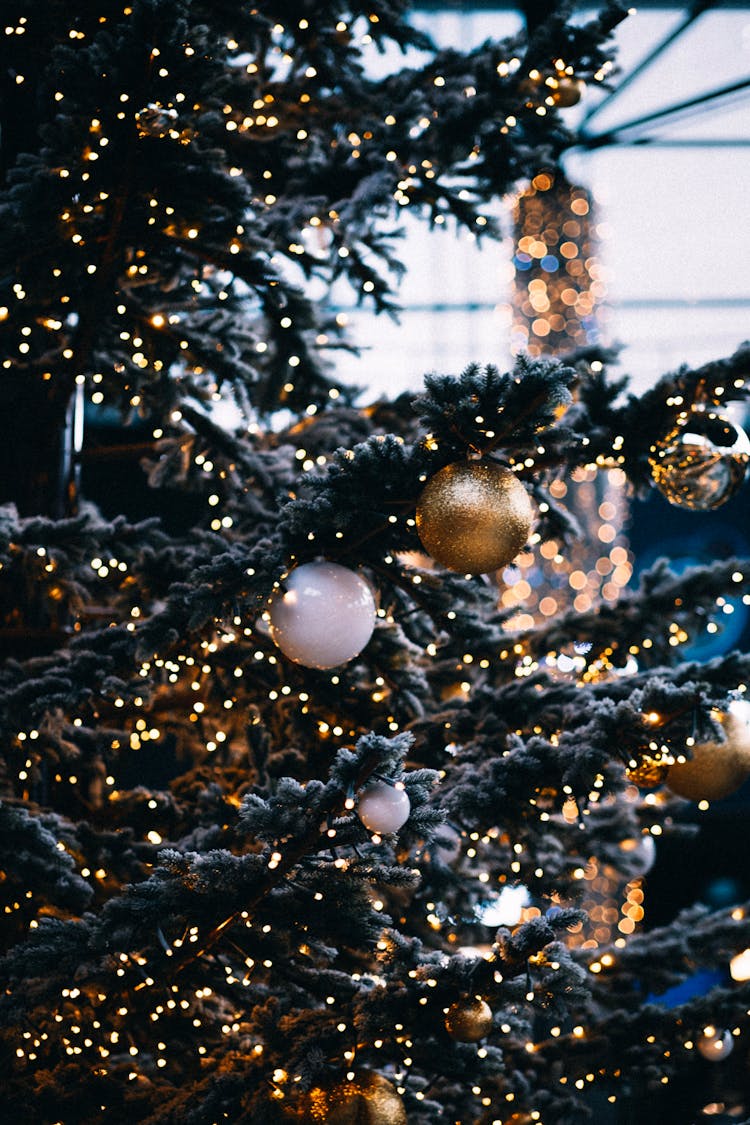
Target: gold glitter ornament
648, 774
468, 1021
474, 516
368, 1099
567, 91
702, 462
716, 769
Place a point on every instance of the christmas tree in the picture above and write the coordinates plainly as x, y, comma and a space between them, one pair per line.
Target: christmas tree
273, 755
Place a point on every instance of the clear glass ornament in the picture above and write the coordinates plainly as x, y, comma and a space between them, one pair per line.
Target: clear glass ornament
155, 120
702, 462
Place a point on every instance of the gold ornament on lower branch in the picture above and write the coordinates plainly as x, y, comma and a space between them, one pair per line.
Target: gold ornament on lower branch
367, 1099
468, 1021
474, 517
716, 769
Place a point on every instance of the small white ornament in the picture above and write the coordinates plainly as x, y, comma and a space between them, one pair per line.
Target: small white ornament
641, 852
383, 808
715, 1045
325, 616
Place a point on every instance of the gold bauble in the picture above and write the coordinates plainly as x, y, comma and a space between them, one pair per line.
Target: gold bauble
648, 774
716, 769
474, 516
702, 462
567, 91
468, 1021
368, 1099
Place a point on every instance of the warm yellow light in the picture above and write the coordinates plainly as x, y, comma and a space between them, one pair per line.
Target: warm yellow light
739, 966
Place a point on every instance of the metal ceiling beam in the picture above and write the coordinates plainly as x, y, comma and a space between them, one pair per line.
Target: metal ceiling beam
622, 303
468, 6
638, 124
677, 142
655, 53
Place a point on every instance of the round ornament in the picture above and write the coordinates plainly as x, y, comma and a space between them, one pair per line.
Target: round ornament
468, 1021
648, 774
702, 462
324, 617
640, 852
715, 1045
716, 769
383, 808
367, 1099
155, 120
474, 516
567, 91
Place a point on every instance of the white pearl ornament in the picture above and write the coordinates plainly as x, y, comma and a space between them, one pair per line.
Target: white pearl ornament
715, 1045
324, 617
383, 808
